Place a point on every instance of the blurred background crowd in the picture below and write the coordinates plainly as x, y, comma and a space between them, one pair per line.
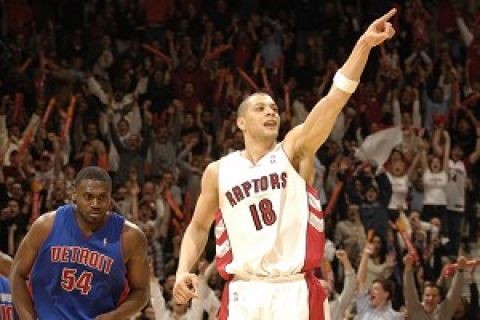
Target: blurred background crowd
148, 90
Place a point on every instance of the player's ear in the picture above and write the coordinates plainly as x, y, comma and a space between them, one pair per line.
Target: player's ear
241, 123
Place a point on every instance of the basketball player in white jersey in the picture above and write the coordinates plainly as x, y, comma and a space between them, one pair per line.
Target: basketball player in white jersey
268, 221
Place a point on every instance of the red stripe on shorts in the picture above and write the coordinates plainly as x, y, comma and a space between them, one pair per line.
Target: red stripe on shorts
312, 191
315, 243
223, 311
223, 260
222, 238
316, 297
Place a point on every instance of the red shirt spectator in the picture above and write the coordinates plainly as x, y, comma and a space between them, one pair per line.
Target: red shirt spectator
191, 73
446, 17
19, 15
157, 11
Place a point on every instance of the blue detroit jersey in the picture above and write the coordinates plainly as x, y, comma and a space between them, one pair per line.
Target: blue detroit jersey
6, 306
79, 277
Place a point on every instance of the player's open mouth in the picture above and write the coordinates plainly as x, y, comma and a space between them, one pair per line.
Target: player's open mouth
270, 123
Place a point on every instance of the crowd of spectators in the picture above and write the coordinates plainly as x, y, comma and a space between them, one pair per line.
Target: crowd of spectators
148, 90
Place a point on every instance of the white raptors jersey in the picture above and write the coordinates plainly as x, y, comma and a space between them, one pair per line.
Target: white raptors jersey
269, 221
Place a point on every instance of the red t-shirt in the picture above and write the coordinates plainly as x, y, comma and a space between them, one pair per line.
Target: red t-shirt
19, 15
446, 20
157, 11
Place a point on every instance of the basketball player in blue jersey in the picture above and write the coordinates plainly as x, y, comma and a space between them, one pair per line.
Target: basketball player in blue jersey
269, 225
82, 261
7, 311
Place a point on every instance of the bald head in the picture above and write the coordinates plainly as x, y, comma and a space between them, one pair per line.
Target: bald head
242, 108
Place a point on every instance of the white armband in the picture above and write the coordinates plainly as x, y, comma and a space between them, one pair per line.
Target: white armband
343, 83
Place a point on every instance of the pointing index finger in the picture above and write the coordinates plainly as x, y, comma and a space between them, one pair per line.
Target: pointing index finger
388, 15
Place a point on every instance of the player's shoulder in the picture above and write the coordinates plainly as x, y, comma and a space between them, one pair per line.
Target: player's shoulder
212, 167
42, 227
131, 227
134, 241
210, 174
293, 145
230, 157
133, 233
44, 222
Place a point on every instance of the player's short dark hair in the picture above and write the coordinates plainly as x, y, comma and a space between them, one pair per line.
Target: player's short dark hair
242, 108
387, 286
93, 173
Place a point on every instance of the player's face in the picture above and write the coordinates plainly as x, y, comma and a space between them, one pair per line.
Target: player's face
261, 118
92, 198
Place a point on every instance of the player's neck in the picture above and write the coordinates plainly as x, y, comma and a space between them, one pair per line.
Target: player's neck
88, 228
255, 150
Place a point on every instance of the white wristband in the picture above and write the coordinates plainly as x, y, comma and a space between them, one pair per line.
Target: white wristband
343, 83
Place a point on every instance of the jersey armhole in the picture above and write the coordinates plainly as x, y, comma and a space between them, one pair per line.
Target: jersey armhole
309, 187
122, 253
52, 227
281, 145
122, 241
290, 161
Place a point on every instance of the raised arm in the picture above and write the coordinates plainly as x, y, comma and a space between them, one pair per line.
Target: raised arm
409, 290
416, 115
3, 123
436, 145
397, 114
465, 32
446, 151
423, 160
350, 284
413, 166
196, 235
309, 136
455, 292
475, 155
363, 269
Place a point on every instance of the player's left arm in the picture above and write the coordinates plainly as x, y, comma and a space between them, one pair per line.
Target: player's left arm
138, 275
5, 264
309, 136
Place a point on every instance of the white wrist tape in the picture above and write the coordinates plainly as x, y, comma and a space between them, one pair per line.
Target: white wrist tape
343, 83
